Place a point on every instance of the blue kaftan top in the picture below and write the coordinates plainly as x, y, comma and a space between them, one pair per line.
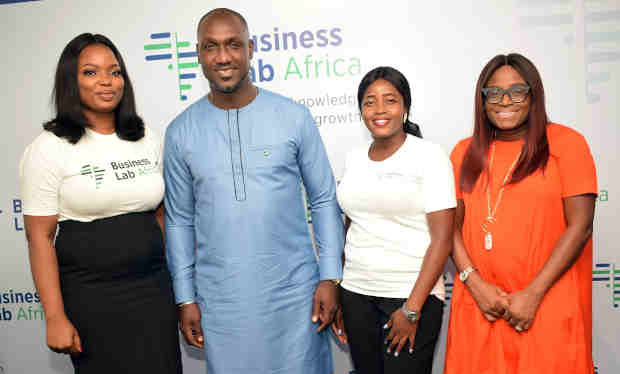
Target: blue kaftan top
237, 239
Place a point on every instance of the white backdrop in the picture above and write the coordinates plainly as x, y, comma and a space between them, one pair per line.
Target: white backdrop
440, 46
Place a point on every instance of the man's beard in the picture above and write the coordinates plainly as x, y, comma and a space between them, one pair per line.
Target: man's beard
234, 88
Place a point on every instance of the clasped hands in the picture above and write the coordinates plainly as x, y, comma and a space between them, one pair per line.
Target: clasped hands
517, 308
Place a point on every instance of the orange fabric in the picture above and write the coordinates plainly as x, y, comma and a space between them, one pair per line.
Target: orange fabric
530, 220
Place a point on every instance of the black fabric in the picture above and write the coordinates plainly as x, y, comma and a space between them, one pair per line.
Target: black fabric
364, 318
118, 294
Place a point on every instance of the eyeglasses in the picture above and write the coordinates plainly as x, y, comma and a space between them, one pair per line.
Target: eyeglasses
517, 93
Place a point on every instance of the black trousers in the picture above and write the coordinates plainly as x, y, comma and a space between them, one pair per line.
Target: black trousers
364, 317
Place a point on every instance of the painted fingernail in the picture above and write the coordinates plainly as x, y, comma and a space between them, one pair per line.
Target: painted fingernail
395, 354
410, 350
386, 341
339, 332
388, 350
385, 326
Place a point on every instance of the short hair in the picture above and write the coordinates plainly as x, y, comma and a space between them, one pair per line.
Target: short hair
535, 151
70, 122
226, 11
398, 80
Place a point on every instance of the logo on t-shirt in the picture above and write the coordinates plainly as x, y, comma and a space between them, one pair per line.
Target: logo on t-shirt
130, 169
94, 172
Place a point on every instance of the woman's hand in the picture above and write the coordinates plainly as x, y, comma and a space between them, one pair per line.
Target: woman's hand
62, 337
522, 309
338, 327
401, 331
491, 299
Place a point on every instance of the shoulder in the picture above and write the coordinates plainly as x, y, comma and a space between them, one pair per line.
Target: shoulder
458, 152
563, 139
282, 104
47, 142
423, 147
183, 122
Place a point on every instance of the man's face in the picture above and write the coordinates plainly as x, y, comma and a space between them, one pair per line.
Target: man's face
224, 51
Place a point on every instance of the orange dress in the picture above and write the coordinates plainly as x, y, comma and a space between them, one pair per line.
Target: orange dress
530, 220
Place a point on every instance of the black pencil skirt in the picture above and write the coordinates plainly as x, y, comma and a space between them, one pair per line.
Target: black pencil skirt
117, 292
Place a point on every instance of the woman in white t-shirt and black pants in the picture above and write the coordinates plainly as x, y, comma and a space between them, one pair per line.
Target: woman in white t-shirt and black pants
399, 199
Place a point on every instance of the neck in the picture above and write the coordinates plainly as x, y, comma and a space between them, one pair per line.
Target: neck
382, 148
102, 123
234, 100
517, 133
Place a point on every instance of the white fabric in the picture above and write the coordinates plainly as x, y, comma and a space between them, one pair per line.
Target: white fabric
387, 202
100, 176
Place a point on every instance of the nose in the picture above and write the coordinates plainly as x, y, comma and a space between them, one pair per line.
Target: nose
380, 107
222, 56
105, 79
506, 100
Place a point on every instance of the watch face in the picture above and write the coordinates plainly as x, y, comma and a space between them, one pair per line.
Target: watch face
412, 317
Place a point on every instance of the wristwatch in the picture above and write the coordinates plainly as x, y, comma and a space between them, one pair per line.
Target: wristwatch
465, 273
411, 316
335, 281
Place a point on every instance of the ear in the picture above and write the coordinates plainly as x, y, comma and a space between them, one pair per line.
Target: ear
198, 51
251, 46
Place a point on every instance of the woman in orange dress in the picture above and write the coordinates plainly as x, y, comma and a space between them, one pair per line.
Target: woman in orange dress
526, 191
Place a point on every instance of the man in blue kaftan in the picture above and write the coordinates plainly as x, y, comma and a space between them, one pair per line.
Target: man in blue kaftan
245, 275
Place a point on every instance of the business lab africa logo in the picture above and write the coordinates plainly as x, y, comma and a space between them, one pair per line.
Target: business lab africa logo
166, 49
94, 172
3, 2
607, 274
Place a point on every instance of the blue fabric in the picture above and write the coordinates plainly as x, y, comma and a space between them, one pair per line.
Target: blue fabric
237, 239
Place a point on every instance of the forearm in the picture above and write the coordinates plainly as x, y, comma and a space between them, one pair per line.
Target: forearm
566, 251
432, 268
44, 267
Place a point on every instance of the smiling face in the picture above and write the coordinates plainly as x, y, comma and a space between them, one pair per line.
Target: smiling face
224, 52
383, 109
100, 81
506, 115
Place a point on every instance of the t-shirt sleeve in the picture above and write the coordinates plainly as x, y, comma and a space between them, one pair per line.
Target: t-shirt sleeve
575, 163
438, 182
40, 177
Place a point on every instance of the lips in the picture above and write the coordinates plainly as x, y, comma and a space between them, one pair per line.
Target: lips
107, 95
380, 122
505, 114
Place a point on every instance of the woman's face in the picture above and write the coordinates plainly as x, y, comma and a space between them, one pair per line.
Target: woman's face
507, 115
383, 109
100, 81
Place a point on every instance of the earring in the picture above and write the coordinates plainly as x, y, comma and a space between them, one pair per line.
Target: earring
405, 118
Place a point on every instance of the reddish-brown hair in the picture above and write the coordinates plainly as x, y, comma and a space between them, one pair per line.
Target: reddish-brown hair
535, 151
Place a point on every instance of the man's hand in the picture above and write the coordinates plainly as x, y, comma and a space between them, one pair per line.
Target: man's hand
325, 304
189, 319
338, 327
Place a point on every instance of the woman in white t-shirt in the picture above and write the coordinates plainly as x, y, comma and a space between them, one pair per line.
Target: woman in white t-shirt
95, 174
398, 197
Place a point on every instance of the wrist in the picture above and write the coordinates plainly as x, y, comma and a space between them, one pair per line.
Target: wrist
185, 303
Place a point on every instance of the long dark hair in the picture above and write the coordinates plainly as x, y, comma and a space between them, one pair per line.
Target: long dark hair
535, 151
70, 122
398, 80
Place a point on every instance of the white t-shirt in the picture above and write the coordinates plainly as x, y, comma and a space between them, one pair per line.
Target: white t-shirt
100, 176
387, 202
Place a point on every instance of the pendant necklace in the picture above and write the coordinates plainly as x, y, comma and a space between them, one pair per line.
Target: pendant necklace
488, 237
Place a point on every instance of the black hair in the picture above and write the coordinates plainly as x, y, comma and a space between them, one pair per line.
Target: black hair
398, 80
70, 122
227, 11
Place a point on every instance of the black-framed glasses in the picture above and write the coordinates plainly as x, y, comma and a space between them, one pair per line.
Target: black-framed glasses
517, 93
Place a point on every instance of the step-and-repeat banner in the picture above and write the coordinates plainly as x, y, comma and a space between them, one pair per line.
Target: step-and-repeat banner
316, 52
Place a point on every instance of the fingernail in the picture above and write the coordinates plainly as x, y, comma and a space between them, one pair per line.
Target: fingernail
339, 332
385, 342
385, 326
410, 350
395, 354
388, 350
314, 319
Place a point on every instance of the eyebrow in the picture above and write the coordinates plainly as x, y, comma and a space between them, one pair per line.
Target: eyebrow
96, 66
